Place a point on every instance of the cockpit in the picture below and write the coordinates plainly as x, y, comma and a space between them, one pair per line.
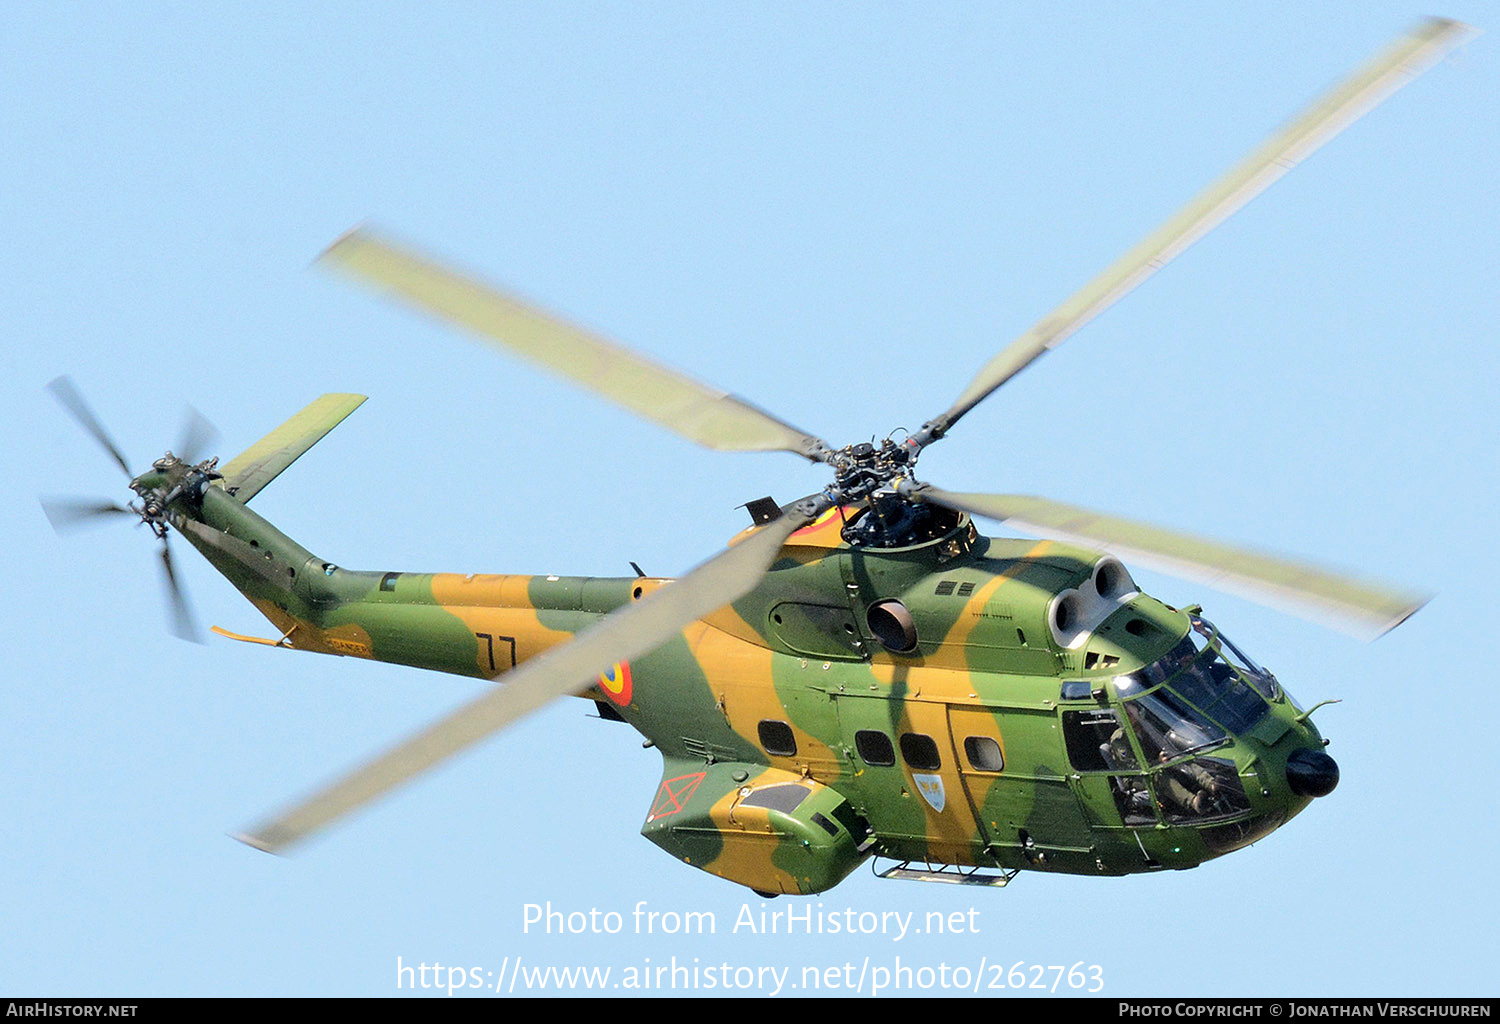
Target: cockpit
1159, 735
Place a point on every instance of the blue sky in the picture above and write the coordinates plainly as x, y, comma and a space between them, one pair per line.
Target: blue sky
839, 212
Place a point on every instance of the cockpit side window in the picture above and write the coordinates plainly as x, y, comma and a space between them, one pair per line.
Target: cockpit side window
1168, 665
1238, 658
1096, 742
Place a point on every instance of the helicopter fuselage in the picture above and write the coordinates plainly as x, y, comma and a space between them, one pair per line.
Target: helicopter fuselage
961, 703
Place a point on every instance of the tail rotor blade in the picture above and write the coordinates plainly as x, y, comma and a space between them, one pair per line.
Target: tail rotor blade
66, 393
67, 514
198, 436
184, 625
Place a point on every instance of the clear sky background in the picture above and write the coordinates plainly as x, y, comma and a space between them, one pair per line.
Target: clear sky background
839, 212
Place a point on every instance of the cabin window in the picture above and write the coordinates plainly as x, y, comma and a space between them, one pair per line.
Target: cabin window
920, 752
984, 754
874, 747
777, 738
1096, 742
785, 798
387, 582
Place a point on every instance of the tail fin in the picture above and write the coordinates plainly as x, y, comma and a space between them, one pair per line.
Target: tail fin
259, 464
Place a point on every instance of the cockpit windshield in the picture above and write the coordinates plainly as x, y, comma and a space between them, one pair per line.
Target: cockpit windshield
1264, 683
1210, 687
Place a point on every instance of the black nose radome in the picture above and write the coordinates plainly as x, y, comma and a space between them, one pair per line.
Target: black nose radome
1312, 773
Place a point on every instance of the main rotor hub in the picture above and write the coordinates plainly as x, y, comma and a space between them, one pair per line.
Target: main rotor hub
862, 470
880, 477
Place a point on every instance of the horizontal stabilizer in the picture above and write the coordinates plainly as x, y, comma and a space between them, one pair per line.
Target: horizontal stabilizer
259, 464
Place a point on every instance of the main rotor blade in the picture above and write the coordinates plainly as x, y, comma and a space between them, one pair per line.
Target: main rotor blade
679, 403
1357, 606
628, 633
70, 513
183, 623
63, 390
1404, 60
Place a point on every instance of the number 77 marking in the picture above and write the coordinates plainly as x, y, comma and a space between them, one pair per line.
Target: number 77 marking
490, 648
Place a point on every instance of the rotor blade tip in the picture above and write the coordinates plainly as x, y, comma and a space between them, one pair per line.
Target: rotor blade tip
1418, 602
1461, 30
333, 253
255, 842
54, 516
1442, 37
184, 627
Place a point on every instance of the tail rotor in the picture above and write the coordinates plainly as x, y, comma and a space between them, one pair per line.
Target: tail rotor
175, 477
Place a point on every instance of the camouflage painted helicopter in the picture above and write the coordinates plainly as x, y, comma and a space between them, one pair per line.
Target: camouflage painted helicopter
861, 673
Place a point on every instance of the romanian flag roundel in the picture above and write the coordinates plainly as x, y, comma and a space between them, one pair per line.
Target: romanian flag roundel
616, 683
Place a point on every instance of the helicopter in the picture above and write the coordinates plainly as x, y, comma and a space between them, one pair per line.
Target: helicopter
861, 675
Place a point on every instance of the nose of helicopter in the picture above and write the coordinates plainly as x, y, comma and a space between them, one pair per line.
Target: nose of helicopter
1312, 773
